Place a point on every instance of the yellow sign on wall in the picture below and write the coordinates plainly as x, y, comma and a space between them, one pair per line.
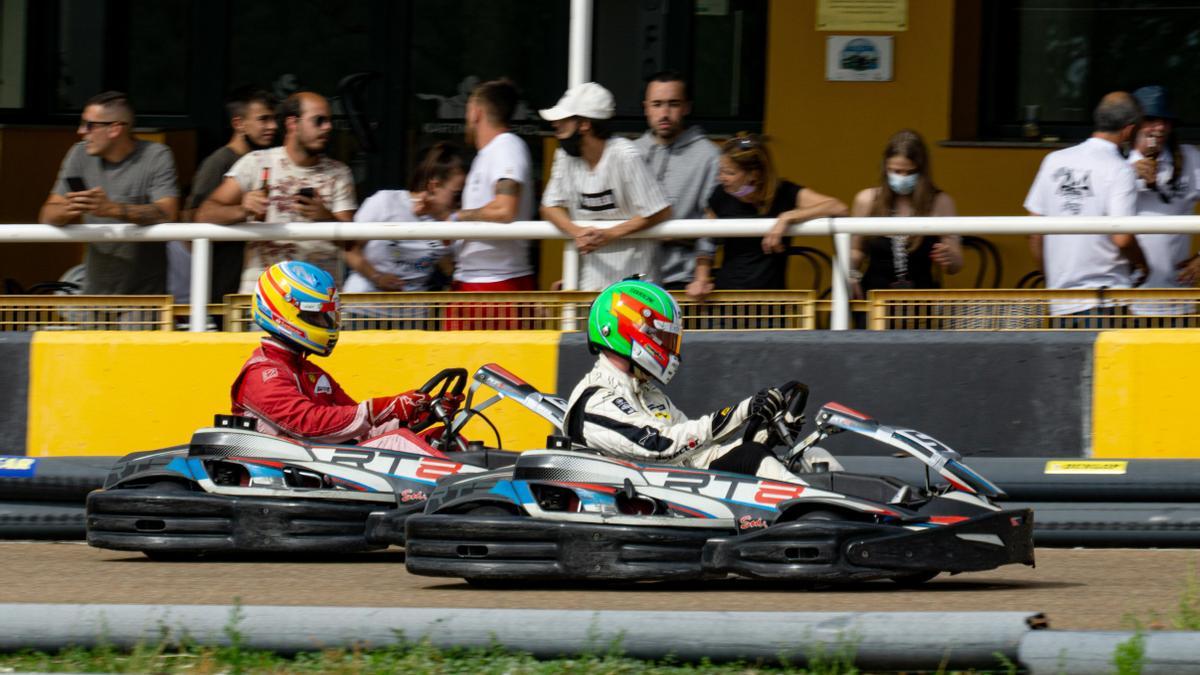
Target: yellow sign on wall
855, 15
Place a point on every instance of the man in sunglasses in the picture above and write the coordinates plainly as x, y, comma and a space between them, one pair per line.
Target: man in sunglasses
111, 177
293, 183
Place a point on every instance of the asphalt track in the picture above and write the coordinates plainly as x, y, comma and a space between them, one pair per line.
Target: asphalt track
1077, 589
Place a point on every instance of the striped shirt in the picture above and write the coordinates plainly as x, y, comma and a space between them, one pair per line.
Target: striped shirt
617, 189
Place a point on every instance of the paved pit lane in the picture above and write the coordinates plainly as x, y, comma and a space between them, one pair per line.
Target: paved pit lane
1078, 589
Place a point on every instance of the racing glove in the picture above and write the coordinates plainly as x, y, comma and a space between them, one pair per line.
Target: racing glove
766, 404
407, 407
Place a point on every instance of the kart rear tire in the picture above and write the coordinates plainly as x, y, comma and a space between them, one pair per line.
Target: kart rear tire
822, 514
490, 510
914, 580
173, 556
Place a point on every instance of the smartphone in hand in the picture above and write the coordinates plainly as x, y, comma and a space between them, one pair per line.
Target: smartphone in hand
306, 192
76, 184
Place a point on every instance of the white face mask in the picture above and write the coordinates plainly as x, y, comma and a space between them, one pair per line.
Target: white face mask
902, 185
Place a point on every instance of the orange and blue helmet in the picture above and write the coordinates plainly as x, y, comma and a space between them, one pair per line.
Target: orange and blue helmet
297, 302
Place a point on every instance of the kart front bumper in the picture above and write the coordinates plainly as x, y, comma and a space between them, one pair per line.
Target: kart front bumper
514, 547
846, 551
185, 522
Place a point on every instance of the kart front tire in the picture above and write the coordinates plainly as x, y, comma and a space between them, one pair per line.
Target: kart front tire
914, 580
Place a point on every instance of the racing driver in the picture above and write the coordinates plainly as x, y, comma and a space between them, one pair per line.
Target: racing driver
296, 303
618, 410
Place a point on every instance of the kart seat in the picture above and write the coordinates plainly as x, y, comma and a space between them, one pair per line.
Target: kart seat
882, 489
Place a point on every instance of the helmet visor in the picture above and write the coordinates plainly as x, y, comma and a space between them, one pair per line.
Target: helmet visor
670, 341
326, 320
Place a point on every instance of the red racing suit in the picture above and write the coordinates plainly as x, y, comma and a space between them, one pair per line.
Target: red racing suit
291, 396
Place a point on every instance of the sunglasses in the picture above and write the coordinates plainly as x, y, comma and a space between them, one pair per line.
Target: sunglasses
90, 125
321, 120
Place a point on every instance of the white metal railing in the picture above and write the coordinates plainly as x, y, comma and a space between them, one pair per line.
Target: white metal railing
840, 229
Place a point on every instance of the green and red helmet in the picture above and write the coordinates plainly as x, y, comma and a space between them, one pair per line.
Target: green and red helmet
641, 322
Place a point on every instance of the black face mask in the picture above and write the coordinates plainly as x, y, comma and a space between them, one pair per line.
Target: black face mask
571, 144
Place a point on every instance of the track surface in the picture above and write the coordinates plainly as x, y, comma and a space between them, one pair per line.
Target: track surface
1076, 589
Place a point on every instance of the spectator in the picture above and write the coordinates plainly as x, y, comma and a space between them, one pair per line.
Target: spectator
1089, 179
906, 188
408, 264
1168, 184
117, 179
685, 164
252, 116
749, 188
602, 181
499, 189
272, 186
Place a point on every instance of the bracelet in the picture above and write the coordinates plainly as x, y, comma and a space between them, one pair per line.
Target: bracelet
854, 275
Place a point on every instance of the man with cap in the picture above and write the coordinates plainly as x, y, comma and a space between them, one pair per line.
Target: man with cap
1089, 179
1168, 184
600, 190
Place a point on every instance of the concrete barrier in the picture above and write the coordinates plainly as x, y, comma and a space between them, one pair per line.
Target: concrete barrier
14, 398
997, 394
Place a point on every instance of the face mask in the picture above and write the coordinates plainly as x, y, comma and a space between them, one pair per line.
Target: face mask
571, 144
902, 185
745, 191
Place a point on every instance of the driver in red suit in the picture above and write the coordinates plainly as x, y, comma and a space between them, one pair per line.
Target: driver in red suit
296, 303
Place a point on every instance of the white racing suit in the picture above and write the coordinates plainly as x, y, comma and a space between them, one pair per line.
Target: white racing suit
618, 415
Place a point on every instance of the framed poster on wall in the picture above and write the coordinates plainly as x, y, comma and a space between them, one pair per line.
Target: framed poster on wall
858, 58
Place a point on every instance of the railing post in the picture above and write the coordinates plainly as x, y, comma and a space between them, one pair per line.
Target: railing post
201, 272
839, 317
570, 282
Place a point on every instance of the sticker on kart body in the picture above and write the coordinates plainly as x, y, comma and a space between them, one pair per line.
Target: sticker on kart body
1086, 466
17, 467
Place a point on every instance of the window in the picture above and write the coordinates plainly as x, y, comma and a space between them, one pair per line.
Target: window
1050, 61
12, 53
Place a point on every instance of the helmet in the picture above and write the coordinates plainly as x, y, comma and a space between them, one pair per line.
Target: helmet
641, 322
297, 302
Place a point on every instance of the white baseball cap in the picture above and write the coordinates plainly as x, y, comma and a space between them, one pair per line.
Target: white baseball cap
584, 100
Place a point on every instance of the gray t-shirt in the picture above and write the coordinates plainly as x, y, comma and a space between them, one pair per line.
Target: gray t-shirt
144, 177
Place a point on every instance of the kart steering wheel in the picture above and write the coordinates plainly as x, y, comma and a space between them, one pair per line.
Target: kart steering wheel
452, 381
788, 424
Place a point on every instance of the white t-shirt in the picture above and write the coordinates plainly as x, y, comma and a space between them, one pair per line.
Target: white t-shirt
1164, 251
1089, 179
412, 260
487, 261
617, 189
329, 178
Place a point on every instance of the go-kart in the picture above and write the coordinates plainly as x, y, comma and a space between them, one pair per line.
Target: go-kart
575, 515
234, 490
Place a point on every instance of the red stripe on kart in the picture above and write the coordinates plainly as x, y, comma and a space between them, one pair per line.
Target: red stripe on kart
691, 512
959, 484
260, 462
504, 372
352, 486
594, 487
947, 520
838, 407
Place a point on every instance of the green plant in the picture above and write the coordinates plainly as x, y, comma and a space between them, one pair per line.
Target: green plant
1130, 655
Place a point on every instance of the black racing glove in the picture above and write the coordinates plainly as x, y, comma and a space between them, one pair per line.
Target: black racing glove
766, 404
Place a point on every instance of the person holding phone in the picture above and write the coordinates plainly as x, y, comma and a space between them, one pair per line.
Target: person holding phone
111, 177
303, 185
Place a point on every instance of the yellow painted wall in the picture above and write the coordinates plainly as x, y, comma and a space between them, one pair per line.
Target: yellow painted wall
830, 135
1144, 393
113, 393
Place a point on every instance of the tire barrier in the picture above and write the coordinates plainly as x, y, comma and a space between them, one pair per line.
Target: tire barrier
1102, 525
42, 520
43, 497
1039, 479
52, 479
876, 640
